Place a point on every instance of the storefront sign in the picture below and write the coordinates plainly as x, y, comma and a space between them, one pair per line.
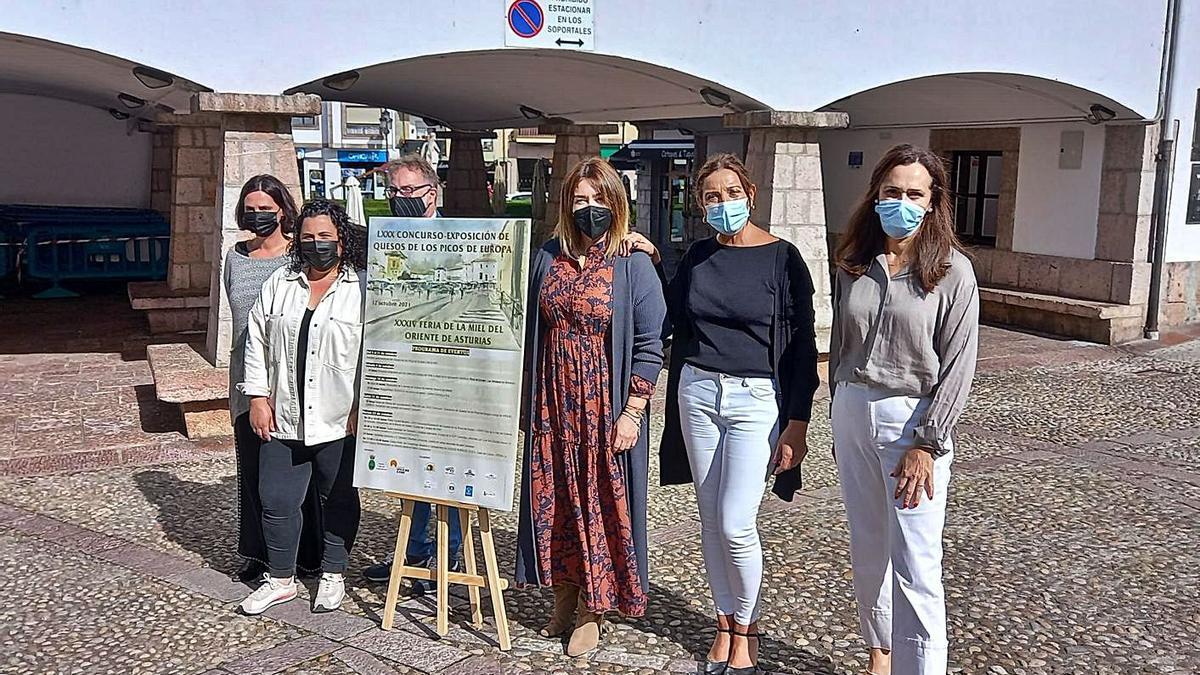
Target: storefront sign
362, 156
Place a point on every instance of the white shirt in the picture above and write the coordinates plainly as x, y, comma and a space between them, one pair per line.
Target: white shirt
334, 347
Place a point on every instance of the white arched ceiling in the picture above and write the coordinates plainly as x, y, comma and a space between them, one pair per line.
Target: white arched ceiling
487, 89
974, 98
37, 67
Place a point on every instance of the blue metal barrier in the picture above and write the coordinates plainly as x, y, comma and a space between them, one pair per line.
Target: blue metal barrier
58, 252
60, 243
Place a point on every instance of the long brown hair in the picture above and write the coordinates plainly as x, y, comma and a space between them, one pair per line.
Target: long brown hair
935, 239
608, 183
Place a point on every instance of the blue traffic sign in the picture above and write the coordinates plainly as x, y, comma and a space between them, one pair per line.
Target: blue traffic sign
525, 18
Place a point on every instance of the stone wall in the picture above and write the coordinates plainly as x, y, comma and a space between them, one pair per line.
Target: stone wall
197, 152
1095, 280
1181, 296
1126, 193
785, 164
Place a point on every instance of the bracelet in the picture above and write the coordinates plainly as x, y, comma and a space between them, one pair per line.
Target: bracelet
635, 416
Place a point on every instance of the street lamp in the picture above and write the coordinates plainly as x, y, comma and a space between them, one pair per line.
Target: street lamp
385, 126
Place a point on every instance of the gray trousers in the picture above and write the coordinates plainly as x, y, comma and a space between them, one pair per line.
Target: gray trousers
285, 469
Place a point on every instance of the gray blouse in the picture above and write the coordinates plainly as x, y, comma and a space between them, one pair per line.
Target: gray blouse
244, 278
889, 334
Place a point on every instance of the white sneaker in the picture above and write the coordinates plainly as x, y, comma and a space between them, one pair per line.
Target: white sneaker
330, 593
272, 592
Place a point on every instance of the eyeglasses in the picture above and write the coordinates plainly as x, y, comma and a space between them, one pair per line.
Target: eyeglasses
408, 190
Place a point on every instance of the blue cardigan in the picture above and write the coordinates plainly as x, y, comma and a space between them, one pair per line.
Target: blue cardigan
635, 348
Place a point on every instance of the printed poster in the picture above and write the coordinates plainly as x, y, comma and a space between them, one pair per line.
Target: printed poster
442, 358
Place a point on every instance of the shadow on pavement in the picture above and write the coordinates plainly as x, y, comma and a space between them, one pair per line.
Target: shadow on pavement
202, 518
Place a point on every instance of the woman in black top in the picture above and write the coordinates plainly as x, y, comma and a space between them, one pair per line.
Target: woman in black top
742, 377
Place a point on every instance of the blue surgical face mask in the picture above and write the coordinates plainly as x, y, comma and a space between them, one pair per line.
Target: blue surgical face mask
728, 217
900, 217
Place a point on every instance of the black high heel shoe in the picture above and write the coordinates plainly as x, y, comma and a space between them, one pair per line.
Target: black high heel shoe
748, 670
717, 667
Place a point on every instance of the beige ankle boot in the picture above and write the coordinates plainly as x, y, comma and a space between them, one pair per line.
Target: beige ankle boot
586, 635
566, 597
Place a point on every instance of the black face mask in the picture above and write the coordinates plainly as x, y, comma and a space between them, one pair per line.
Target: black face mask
593, 221
319, 255
407, 207
261, 223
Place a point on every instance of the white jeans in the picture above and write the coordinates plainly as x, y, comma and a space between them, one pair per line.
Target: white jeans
895, 553
730, 425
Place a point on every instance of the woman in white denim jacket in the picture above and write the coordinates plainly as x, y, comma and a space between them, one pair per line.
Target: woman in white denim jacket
302, 373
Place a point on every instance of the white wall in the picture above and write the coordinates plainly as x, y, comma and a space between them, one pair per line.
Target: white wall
1183, 240
789, 55
844, 186
1057, 209
307, 137
66, 154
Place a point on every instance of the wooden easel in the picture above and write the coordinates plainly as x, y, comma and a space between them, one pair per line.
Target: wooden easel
444, 577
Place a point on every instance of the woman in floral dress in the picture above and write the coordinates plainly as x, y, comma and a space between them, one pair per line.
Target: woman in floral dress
593, 353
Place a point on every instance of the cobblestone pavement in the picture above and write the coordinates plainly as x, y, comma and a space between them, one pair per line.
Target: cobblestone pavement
1072, 544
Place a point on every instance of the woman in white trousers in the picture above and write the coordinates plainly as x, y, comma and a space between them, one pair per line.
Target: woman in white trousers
902, 358
742, 376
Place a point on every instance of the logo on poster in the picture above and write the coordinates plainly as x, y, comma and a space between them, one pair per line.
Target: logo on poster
469, 491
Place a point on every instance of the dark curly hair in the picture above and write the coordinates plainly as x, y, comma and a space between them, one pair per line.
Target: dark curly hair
353, 237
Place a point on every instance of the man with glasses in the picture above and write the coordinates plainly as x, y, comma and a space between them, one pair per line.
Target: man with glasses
412, 192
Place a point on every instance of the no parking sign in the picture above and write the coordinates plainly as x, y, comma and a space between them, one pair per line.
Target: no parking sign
554, 24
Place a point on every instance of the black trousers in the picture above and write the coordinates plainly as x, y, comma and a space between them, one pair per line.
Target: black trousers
286, 469
251, 544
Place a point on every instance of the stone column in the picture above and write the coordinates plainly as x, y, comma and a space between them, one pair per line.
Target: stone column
227, 139
1126, 201
784, 161
465, 192
193, 188
572, 143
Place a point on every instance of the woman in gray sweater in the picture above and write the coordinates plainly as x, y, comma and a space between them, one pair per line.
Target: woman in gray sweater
901, 360
266, 210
